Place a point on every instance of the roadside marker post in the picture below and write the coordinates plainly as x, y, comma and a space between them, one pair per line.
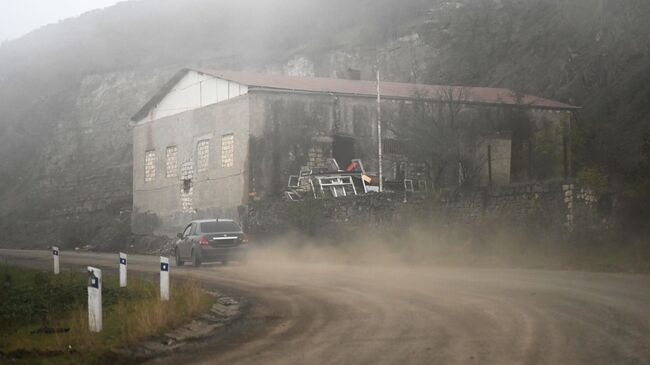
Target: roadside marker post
94, 299
164, 278
55, 258
122, 270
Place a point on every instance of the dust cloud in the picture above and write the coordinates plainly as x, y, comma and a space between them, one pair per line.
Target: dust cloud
417, 245
427, 243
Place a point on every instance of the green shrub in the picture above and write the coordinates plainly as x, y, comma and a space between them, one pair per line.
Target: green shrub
594, 178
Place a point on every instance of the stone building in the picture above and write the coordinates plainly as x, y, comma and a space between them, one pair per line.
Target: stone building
211, 141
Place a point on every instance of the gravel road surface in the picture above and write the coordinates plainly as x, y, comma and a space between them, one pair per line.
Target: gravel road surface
317, 313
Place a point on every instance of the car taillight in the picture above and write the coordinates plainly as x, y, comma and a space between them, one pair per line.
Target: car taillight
245, 239
203, 241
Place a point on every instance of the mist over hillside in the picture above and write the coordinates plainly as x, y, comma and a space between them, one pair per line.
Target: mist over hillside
67, 91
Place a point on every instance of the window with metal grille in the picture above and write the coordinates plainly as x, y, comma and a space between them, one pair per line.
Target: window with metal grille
202, 155
149, 165
394, 146
228, 150
171, 164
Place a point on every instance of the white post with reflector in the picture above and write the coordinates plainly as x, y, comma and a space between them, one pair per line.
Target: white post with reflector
164, 278
122, 270
94, 299
55, 258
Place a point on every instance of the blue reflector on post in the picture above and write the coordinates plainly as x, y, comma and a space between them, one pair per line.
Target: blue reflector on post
164, 266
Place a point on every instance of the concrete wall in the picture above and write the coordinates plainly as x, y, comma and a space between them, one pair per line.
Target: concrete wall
171, 199
290, 130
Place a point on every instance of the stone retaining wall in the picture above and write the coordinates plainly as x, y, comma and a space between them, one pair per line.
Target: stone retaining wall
551, 207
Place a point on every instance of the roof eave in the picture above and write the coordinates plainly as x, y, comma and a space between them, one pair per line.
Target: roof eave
565, 107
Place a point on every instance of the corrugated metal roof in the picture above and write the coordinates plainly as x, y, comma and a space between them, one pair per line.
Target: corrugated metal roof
469, 95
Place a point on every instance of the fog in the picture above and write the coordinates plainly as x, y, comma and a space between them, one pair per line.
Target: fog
67, 92
543, 262
18, 18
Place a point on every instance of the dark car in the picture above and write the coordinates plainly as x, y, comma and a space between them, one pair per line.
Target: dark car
211, 240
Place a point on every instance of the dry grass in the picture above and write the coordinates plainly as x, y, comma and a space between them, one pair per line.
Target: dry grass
130, 316
129, 321
153, 316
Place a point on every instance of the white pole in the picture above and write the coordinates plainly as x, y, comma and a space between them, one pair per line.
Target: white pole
94, 299
122, 270
381, 184
164, 278
55, 258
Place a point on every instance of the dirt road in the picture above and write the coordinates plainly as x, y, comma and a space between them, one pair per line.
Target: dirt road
311, 313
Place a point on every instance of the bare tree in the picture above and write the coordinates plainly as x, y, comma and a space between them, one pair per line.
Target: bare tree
440, 133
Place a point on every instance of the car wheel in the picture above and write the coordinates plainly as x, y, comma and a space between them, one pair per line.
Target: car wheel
179, 260
196, 260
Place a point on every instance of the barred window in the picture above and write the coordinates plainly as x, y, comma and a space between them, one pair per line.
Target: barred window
394, 146
228, 150
171, 164
202, 155
149, 165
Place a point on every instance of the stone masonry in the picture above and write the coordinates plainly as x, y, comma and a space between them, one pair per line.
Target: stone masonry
552, 207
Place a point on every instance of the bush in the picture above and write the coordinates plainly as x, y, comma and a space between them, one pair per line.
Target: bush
593, 178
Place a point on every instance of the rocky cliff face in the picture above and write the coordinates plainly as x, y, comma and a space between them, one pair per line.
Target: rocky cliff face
68, 90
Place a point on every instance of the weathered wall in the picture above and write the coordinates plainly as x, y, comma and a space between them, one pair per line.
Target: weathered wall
547, 208
173, 198
290, 130
527, 144
495, 155
329, 218
552, 208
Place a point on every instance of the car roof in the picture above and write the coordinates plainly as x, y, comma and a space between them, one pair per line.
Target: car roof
212, 220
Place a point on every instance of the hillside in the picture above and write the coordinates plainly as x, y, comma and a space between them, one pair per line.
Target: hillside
68, 90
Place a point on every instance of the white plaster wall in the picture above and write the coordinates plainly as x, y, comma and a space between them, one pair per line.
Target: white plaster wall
195, 90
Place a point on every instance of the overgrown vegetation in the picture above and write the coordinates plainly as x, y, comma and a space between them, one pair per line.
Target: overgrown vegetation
582, 52
593, 177
44, 318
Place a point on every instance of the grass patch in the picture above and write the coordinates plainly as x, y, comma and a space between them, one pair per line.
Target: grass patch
44, 317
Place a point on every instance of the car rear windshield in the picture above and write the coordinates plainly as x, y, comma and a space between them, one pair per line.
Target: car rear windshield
211, 227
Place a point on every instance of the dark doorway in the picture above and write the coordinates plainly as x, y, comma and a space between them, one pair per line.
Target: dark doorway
343, 150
